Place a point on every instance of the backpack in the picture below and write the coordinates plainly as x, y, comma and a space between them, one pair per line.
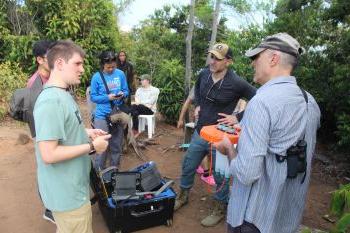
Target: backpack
22, 103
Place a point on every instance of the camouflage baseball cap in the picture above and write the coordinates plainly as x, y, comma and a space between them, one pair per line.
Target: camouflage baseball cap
281, 41
221, 51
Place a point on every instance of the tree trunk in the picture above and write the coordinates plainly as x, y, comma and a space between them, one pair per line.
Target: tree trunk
188, 74
214, 28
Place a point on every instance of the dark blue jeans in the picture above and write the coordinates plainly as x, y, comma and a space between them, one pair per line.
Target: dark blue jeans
197, 150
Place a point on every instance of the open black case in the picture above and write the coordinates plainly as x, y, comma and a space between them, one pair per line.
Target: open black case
126, 204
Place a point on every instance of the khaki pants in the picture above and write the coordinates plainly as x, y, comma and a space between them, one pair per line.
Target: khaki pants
75, 221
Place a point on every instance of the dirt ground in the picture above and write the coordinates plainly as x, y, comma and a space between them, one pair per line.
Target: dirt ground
21, 209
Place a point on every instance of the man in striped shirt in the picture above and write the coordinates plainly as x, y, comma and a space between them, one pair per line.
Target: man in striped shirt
262, 198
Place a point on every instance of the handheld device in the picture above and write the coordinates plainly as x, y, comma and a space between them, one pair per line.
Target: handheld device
215, 133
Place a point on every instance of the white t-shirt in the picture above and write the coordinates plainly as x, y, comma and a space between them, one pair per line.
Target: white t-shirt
147, 96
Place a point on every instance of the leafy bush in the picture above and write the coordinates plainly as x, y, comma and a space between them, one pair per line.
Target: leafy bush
18, 49
89, 23
343, 126
11, 78
340, 207
170, 80
240, 42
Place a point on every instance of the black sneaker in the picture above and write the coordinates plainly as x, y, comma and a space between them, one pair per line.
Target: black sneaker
48, 216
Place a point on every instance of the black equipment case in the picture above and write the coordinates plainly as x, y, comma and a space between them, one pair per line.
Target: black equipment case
131, 215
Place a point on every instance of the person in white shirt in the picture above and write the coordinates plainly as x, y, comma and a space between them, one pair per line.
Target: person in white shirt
145, 101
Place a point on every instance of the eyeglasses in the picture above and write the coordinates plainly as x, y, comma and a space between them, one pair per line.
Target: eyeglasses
215, 58
255, 57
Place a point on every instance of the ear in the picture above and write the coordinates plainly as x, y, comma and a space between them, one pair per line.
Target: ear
39, 60
59, 63
275, 59
229, 61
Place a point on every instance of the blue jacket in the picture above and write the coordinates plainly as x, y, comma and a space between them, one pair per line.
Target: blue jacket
116, 81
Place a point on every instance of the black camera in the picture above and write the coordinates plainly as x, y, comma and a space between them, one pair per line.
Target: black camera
296, 159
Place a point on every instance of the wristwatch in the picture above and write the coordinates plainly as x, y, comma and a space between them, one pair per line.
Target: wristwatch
92, 148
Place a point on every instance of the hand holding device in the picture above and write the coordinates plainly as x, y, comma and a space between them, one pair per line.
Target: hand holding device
119, 95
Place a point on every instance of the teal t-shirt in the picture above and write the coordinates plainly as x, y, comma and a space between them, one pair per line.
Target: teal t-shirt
63, 186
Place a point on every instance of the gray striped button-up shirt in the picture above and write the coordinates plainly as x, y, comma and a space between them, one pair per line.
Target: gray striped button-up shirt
275, 119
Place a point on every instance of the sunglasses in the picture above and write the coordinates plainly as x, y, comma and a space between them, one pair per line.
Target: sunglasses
212, 94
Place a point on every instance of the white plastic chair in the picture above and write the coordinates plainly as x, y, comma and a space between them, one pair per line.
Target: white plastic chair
150, 120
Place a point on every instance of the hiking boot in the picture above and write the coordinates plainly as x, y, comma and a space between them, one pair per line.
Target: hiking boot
48, 216
181, 199
216, 215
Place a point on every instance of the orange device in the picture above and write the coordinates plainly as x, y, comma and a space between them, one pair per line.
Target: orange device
215, 133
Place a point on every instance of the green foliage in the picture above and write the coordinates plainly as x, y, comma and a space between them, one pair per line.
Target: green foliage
4, 31
203, 13
90, 23
159, 50
241, 6
158, 45
306, 230
341, 200
343, 132
170, 80
343, 225
324, 69
18, 49
338, 11
11, 78
164, 33
340, 207
13, 47
240, 42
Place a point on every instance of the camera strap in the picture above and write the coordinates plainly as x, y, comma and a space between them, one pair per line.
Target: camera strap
281, 158
307, 109
106, 87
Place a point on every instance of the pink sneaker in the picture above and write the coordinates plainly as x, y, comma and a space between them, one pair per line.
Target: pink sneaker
200, 169
209, 180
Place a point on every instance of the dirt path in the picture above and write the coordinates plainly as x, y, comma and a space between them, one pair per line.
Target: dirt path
21, 209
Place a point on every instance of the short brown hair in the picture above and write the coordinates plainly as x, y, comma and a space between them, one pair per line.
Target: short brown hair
64, 49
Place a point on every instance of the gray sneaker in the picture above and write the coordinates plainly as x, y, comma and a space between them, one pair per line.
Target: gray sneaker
216, 215
48, 216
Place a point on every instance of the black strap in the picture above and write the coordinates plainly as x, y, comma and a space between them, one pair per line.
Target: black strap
307, 101
281, 158
107, 89
48, 87
305, 95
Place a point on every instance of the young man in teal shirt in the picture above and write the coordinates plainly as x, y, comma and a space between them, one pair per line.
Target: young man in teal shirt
63, 143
